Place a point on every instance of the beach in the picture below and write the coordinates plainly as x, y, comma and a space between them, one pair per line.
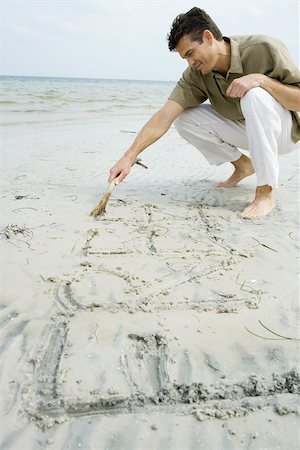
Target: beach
170, 322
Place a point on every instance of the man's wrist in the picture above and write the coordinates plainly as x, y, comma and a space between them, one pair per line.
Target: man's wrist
263, 82
131, 155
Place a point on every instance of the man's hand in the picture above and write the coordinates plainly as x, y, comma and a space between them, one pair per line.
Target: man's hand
154, 129
120, 170
241, 85
287, 95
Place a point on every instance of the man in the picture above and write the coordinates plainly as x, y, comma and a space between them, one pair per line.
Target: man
254, 91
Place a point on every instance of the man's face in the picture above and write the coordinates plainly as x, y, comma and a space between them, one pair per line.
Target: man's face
202, 57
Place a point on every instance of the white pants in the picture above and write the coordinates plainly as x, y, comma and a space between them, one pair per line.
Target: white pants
265, 133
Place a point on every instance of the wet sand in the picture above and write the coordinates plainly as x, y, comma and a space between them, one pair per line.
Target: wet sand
168, 323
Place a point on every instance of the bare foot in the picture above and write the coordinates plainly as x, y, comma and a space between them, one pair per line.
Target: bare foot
262, 205
243, 168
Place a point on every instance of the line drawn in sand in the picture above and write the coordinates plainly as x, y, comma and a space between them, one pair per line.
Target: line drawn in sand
140, 374
131, 352
140, 381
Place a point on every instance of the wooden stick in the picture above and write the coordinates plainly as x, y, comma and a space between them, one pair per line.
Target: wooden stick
100, 208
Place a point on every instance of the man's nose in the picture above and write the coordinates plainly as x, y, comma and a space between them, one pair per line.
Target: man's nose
190, 61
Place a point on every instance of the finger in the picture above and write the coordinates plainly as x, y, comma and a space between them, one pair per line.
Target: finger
120, 178
230, 90
113, 174
235, 92
232, 93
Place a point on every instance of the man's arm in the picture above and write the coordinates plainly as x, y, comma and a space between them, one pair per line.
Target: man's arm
287, 95
154, 129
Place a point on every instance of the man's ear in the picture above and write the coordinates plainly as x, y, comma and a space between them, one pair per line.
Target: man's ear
207, 36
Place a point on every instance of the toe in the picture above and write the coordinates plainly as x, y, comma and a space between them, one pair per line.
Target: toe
257, 210
248, 212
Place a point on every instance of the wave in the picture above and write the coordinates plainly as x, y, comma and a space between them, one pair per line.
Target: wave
46, 96
120, 102
7, 102
38, 122
23, 111
83, 118
99, 110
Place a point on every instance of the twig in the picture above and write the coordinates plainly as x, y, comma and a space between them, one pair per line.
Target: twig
96, 332
276, 334
264, 245
212, 367
24, 207
249, 288
61, 185
139, 163
289, 179
100, 208
262, 337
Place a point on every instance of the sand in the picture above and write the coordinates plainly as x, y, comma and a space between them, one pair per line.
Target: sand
169, 323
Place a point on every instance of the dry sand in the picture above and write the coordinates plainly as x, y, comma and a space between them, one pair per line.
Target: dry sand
154, 326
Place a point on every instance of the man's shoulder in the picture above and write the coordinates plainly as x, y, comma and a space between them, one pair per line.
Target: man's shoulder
263, 40
192, 75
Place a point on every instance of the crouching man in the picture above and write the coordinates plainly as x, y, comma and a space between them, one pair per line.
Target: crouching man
253, 88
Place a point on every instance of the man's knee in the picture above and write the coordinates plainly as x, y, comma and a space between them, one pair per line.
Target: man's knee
181, 121
260, 109
177, 123
256, 98
196, 116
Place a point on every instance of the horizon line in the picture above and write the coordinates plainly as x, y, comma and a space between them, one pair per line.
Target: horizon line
85, 78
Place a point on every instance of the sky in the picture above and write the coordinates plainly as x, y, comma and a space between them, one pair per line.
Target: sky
123, 39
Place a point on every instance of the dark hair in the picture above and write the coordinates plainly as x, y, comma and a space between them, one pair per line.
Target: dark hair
192, 24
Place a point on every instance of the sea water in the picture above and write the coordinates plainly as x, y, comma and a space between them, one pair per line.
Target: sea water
41, 100
62, 119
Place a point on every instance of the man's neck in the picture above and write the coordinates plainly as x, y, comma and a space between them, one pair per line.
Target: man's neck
224, 60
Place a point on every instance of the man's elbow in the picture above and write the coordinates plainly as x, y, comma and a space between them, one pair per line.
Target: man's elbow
170, 111
297, 107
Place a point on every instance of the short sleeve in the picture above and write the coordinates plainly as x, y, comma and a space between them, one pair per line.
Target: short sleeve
188, 93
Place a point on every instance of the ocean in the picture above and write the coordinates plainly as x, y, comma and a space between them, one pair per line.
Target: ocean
41, 100
94, 120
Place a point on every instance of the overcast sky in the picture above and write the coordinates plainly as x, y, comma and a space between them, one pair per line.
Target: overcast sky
122, 39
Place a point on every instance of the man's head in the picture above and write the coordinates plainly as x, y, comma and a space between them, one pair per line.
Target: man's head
197, 39
192, 24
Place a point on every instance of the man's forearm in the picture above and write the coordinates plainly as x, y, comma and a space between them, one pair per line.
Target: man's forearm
154, 129
288, 96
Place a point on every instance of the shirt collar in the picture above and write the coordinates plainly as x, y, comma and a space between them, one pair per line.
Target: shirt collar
235, 63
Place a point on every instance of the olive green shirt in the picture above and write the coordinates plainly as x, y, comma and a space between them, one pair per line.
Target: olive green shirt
249, 54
